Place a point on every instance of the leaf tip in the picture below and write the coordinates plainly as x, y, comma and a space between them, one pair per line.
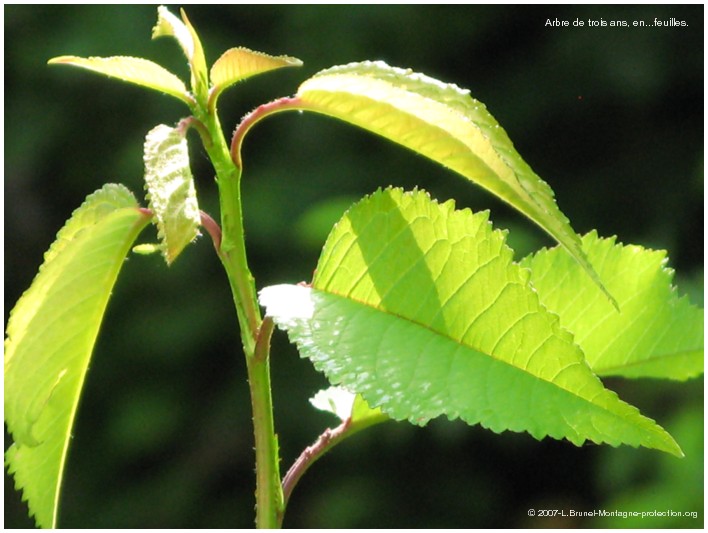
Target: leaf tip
61, 60
673, 448
183, 14
163, 26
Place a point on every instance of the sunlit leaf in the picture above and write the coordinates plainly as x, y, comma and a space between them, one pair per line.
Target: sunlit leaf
171, 191
444, 123
240, 63
656, 334
420, 309
168, 25
50, 336
364, 416
133, 70
347, 406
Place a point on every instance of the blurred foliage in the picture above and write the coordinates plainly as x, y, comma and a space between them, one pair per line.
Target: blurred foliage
612, 118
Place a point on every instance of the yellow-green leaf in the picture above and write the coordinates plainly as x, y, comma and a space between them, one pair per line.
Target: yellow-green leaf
348, 407
50, 337
133, 70
444, 123
240, 63
168, 25
656, 334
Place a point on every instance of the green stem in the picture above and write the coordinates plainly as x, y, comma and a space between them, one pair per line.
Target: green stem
233, 245
232, 252
269, 496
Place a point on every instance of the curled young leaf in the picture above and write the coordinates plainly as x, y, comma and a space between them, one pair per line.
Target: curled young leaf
170, 189
168, 25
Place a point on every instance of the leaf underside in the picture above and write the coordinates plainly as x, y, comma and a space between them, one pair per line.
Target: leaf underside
444, 123
171, 192
656, 334
50, 336
420, 309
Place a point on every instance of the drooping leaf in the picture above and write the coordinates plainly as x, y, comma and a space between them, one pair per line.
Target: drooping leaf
50, 336
420, 309
171, 191
444, 123
656, 334
133, 70
240, 63
168, 25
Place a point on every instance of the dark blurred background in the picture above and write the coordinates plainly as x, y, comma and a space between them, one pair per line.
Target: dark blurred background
611, 117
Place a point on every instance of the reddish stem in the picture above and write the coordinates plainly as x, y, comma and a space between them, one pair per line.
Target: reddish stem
282, 104
213, 229
192, 122
327, 440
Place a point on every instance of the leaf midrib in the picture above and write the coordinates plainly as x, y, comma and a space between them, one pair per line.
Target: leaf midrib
464, 345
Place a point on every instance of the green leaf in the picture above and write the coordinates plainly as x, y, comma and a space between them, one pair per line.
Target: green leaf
420, 309
240, 63
364, 416
168, 25
347, 406
171, 191
50, 336
133, 70
657, 334
444, 123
